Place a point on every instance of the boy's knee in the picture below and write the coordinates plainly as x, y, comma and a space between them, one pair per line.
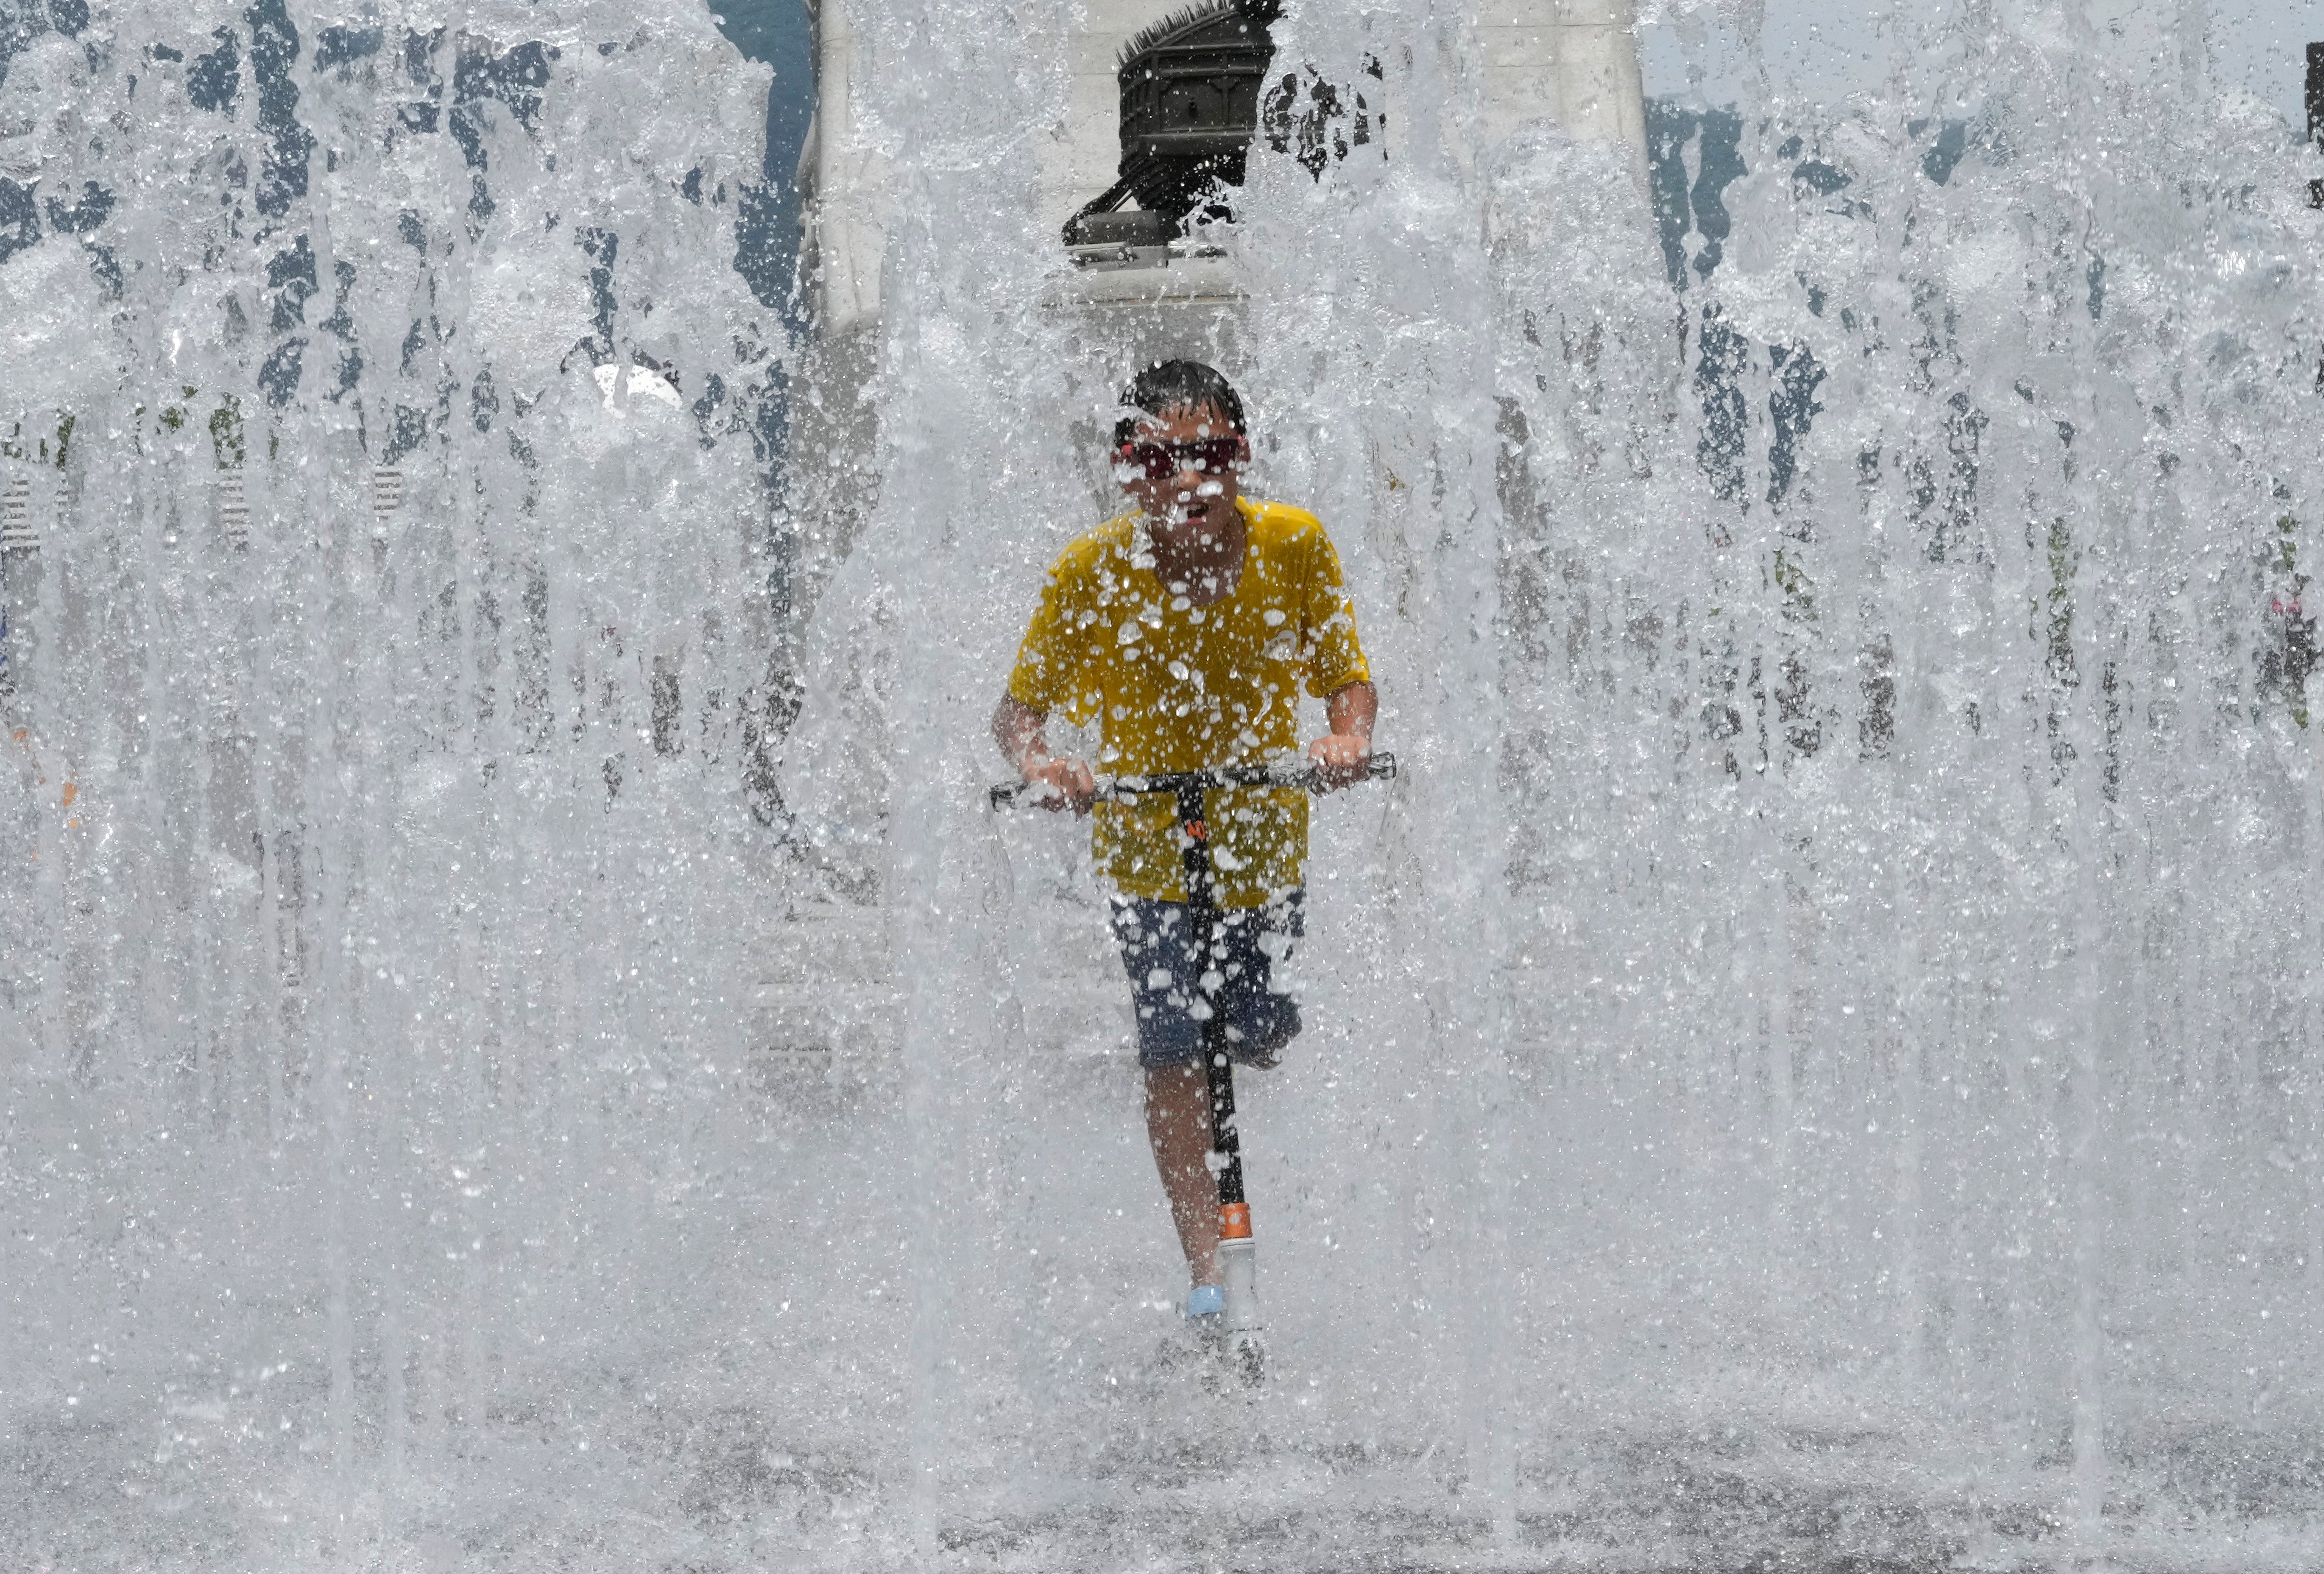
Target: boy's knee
1173, 1087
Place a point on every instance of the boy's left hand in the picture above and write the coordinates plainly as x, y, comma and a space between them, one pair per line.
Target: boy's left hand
1341, 759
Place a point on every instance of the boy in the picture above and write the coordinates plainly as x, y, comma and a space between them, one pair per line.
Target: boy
1188, 628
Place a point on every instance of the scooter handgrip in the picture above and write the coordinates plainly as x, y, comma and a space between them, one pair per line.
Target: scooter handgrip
1008, 795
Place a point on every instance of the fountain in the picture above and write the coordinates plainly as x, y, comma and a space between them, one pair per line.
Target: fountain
1812, 1061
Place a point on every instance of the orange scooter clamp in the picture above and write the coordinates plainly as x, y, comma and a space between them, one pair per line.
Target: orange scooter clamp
1234, 1221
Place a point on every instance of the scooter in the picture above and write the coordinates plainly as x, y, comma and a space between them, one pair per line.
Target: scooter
1237, 1252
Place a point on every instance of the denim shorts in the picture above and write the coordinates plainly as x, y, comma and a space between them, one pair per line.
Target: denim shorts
1157, 953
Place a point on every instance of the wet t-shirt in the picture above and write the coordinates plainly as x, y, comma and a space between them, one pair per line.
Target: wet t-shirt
1181, 687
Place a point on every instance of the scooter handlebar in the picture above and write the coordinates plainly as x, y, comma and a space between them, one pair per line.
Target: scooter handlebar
1303, 774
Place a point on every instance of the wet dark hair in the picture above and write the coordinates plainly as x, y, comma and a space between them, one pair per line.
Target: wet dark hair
1163, 386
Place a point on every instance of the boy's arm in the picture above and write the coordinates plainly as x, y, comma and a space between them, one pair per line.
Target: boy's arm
1017, 727
1342, 756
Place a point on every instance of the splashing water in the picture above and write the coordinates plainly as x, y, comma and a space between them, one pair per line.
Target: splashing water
1815, 1058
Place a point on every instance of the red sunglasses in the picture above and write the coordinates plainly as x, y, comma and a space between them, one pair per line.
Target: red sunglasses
1161, 461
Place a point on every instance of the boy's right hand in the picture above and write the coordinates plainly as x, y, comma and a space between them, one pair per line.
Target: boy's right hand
1071, 785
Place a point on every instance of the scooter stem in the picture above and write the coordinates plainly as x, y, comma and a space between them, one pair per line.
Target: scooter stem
1237, 1252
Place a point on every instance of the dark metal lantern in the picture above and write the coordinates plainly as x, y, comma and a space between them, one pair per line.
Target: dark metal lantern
1190, 93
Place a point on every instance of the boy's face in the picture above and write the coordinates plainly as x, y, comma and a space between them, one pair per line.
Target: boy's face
1193, 502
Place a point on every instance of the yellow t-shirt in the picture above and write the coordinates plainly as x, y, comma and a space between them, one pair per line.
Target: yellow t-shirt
1182, 687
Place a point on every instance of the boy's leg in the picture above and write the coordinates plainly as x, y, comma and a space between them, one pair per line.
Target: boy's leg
1157, 953
1261, 1020
1178, 1124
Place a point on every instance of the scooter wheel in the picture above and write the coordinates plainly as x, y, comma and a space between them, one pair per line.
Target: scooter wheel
1250, 1361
